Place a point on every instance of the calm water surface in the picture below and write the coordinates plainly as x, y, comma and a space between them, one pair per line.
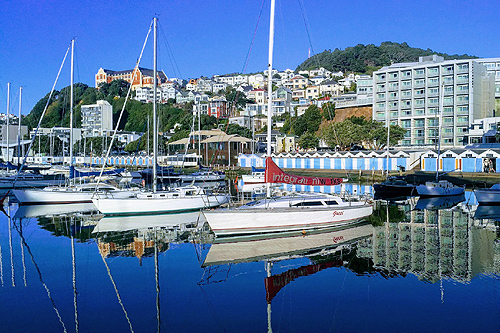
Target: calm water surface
424, 270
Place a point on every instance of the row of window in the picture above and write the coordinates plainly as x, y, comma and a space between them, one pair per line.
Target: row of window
421, 102
418, 83
462, 113
464, 88
446, 69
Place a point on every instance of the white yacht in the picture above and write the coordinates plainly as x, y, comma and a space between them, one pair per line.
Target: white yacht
180, 199
287, 213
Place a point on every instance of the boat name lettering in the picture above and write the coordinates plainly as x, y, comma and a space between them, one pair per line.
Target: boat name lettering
336, 212
337, 239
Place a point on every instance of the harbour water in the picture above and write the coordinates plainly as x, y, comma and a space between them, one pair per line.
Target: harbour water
408, 268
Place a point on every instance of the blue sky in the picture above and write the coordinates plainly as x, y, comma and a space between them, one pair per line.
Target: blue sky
213, 37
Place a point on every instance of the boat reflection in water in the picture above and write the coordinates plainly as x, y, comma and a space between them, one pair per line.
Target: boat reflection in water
325, 249
27, 211
443, 202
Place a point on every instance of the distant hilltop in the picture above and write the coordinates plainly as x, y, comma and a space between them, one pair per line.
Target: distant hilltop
368, 58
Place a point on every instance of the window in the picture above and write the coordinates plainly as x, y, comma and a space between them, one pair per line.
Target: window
433, 71
419, 72
419, 122
406, 123
463, 109
433, 81
448, 110
419, 102
433, 91
406, 93
406, 84
419, 92
432, 111
448, 90
433, 101
420, 82
406, 74
463, 66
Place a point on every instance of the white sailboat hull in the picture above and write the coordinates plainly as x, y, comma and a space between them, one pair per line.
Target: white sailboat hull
156, 204
251, 221
62, 196
253, 179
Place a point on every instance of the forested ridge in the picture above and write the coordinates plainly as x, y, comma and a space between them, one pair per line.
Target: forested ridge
368, 58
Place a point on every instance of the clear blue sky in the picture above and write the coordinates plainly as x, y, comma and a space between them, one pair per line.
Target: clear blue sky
213, 37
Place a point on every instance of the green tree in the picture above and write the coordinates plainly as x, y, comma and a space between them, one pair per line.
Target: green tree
328, 111
308, 140
308, 122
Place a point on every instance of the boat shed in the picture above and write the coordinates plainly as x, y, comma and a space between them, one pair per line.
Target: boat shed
339, 160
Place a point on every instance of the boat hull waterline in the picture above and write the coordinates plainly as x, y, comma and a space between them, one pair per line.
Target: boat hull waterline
253, 221
157, 205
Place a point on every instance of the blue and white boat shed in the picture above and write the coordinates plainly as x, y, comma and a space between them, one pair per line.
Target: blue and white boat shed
338, 160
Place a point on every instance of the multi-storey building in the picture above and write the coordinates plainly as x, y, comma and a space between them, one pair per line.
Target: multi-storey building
97, 119
140, 77
412, 94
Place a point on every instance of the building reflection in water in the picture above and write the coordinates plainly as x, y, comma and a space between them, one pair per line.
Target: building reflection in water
434, 244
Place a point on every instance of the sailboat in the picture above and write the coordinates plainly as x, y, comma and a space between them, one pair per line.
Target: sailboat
75, 193
392, 187
189, 198
278, 214
439, 187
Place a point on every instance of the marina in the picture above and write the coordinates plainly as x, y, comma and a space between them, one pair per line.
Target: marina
83, 272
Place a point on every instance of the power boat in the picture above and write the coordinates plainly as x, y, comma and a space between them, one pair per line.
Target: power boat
439, 188
394, 187
488, 196
257, 176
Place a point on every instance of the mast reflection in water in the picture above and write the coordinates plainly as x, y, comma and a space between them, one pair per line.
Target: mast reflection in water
405, 269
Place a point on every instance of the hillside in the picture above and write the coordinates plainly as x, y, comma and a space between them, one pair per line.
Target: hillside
134, 117
367, 58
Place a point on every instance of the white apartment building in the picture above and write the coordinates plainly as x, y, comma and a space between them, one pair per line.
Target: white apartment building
97, 118
410, 94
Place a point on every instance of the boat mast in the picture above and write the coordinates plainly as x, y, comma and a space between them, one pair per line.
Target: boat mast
155, 130
441, 102
388, 131
7, 119
19, 127
71, 105
270, 86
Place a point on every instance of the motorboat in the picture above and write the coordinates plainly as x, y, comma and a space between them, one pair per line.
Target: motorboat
257, 176
203, 176
488, 196
394, 187
439, 188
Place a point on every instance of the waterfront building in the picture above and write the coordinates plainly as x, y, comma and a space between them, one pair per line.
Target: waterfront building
97, 119
484, 130
411, 93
